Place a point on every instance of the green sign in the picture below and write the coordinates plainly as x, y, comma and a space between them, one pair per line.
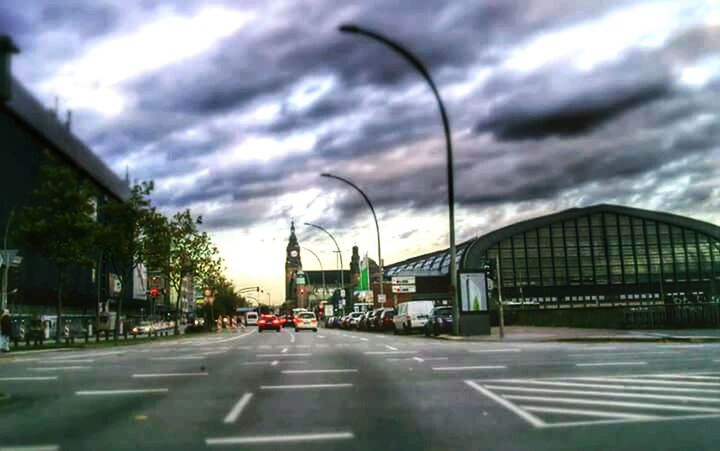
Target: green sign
364, 283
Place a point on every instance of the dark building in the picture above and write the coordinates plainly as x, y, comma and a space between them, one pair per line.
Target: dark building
599, 266
28, 130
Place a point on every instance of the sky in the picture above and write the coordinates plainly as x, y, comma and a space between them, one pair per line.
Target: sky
235, 107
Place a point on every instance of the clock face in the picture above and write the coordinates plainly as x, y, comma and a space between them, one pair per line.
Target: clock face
293, 253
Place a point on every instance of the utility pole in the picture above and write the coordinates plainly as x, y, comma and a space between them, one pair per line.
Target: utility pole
6, 261
501, 319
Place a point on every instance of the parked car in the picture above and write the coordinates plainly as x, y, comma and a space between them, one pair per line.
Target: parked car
440, 321
269, 322
363, 320
337, 322
380, 316
306, 320
353, 319
412, 315
373, 320
328, 321
143, 328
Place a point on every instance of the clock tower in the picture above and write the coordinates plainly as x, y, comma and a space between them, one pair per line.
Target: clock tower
293, 264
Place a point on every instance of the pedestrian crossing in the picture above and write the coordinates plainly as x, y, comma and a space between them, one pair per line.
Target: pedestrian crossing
585, 401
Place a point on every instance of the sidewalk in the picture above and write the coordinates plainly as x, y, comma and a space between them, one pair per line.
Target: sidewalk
571, 334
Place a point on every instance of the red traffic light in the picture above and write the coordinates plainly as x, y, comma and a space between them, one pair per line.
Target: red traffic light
302, 290
154, 292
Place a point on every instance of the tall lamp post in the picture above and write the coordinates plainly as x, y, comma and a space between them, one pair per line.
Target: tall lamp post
6, 262
322, 270
342, 279
420, 67
377, 226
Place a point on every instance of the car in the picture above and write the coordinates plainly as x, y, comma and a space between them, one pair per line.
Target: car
353, 319
143, 328
440, 321
412, 315
383, 316
306, 320
289, 320
337, 322
374, 318
269, 322
328, 321
251, 319
363, 321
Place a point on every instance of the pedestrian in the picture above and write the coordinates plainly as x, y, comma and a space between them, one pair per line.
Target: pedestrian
5, 331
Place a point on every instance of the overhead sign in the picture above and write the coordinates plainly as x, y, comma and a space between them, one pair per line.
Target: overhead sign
381, 298
403, 288
403, 280
11, 253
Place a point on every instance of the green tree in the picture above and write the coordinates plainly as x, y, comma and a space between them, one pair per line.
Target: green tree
60, 222
122, 225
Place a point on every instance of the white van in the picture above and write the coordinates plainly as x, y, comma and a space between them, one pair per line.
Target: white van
412, 315
251, 319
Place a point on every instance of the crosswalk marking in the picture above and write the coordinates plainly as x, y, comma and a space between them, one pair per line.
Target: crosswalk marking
583, 401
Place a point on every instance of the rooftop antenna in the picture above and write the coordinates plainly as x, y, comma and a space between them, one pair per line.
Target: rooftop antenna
68, 119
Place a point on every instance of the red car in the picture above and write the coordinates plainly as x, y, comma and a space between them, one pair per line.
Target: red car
269, 322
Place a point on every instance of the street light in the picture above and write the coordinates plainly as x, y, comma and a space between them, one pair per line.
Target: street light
322, 270
377, 226
420, 67
6, 262
342, 279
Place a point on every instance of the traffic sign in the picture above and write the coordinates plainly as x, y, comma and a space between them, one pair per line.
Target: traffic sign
403, 280
403, 289
381, 298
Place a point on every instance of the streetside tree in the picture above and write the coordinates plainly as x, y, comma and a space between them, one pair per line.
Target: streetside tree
60, 222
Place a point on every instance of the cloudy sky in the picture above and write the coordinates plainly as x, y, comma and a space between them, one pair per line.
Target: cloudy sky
235, 107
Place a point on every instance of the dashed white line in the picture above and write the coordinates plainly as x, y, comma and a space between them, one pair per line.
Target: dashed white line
184, 357
611, 364
63, 361
237, 409
306, 354
363, 339
150, 375
274, 363
321, 336
31, 448
469, 368
388, 352
303, 386
418, 359
482, 351
292, 337
278, 438
120, 392
60, 368
391, 348
319, 371
28, 378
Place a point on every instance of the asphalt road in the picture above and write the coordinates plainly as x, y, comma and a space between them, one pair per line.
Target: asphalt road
360, 391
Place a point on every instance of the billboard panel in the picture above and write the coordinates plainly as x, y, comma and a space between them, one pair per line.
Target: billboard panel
473, 289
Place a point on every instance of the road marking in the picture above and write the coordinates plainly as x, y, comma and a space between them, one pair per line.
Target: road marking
303, 346
120, 392
31, 448
640, 380
388, 352
237, 409
278, 438
591, 413
61, 361
602, 348
469, 368
292, 337
598, 402
611, 364
60, 368
303, 386
235, 338
28, 378
363, 339
530, 418
183, 357
274, 363
418, 359
435, 358
622, 354
284, 355
482, 351
506, 388
139, 376
285, 350
318, 371
391, 348
614, 387
321, 336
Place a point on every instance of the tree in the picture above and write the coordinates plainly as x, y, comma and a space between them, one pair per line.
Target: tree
123, 223
60, 222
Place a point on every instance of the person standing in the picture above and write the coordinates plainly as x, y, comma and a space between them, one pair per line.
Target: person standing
5, 331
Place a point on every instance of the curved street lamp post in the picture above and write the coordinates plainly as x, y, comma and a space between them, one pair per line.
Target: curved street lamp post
340, 270
377, 226
322, 270
420, 67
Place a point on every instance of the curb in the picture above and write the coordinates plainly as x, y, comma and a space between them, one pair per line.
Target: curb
619, 339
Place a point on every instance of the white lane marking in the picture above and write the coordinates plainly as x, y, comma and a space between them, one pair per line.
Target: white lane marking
622, 354
391, 348
683, 346
292, 337
530, 418
62, 361
303, 386
284, 351
235, 338
61, 368
28, 378
418, 359
611, 364
278, 438
610, 387
319, 371
237, 409
363, 339
598, 402
31, 448
274, 363
435, 358
120, 392
306, 354
262, 362
640, 380
602, 348
388, 352
321, 336
482, 351
683, 376
183, 357
590, 413
148, 375
88, 354
505, 388
469, 368
345, 335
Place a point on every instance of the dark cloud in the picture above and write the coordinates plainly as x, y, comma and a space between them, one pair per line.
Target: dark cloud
90, 19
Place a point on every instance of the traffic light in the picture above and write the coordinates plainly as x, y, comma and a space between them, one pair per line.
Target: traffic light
302, 291
489, 269
154, 292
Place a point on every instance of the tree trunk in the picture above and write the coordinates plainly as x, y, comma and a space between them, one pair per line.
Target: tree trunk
177, 308
120, 304
98, 279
